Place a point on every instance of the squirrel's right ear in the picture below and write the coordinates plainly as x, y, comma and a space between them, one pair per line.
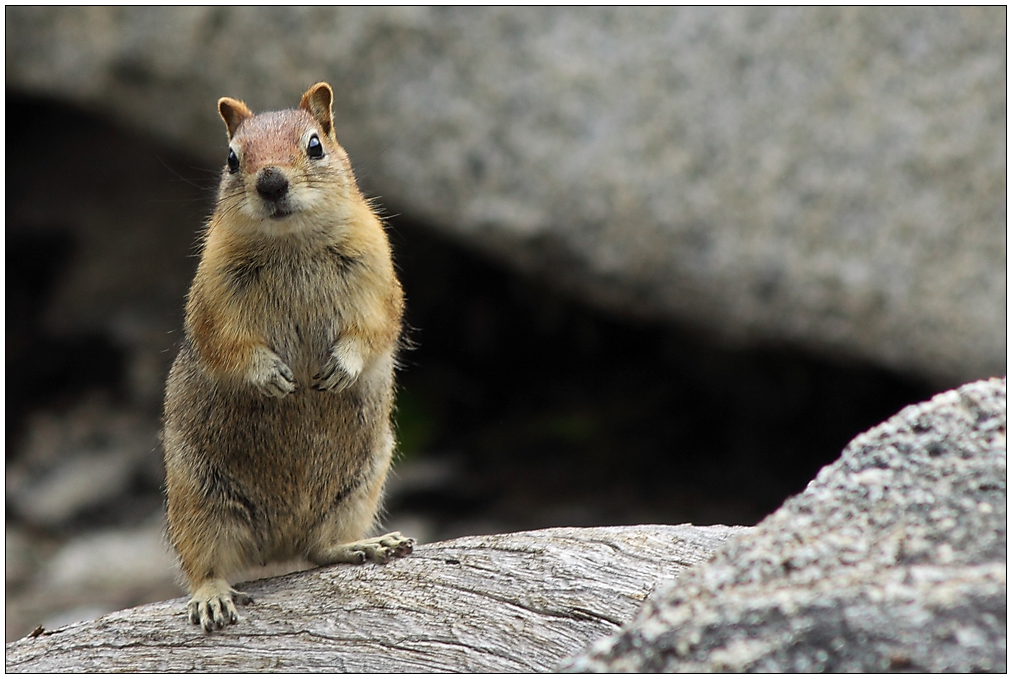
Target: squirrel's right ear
233, 112
318, 101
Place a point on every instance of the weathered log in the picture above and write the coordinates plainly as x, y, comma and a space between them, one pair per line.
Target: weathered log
500, 603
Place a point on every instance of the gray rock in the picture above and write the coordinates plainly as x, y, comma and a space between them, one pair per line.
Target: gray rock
828, 177
894, 557
20, 559
112, 560
80, 459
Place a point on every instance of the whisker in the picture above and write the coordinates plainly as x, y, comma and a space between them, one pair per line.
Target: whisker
181, 177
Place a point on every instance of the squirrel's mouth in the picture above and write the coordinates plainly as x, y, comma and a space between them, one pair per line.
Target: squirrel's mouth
278, 211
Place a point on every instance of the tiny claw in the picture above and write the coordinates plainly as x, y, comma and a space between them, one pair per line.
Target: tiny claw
206, 619
286, 371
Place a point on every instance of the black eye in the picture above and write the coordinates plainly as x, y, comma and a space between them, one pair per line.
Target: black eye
233, 162
314, 148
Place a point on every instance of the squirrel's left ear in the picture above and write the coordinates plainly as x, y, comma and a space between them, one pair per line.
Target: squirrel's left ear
233, 112
317, 102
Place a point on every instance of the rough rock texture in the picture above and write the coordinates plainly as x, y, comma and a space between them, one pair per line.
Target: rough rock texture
831, 177
893, 558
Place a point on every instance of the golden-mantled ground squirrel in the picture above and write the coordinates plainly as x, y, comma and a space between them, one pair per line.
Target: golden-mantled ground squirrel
277, 409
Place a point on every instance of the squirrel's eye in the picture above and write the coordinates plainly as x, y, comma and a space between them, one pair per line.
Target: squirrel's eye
233, 162
315, 148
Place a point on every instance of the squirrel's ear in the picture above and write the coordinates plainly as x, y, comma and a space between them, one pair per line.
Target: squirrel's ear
317, 102
233, 112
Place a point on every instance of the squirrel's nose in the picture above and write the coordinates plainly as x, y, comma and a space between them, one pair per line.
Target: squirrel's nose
272, 184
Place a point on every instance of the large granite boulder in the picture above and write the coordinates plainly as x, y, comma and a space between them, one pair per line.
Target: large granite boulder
893, 558
833, 178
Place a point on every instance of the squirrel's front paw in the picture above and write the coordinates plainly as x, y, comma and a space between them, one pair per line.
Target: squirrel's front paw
213, 605
341, 369
272, 376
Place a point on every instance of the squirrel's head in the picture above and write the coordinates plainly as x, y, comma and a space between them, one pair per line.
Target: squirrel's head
283, 165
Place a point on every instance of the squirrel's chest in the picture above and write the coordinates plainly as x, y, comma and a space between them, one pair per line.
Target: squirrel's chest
298, 304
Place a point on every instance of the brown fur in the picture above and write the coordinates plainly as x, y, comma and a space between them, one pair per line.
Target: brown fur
277, 408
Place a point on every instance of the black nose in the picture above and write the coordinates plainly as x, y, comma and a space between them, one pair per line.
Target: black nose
272, 184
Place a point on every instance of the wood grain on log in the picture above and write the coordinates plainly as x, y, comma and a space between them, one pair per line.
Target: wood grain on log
519, 602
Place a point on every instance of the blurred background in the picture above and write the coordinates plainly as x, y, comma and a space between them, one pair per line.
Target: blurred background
661, 264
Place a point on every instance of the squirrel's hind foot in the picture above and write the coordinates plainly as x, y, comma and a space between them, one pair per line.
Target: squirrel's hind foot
377, 550
213, 605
